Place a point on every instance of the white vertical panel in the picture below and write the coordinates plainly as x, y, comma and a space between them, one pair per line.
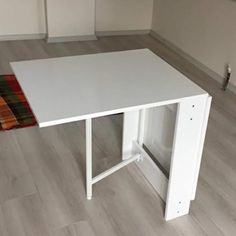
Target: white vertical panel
70, 18
130, 132
159, 133
152, 172
188, 134
142, 124
201, 145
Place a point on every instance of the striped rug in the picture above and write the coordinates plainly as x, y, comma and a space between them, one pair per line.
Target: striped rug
15, 111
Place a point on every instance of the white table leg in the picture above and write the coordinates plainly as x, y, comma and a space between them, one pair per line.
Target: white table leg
128, 146
191, 116
88, 125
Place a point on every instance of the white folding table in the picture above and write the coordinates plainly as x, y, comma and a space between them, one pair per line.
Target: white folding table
68, 89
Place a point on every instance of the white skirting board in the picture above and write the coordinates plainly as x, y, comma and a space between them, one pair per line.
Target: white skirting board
22, 37
123, 32
71, 38
97, 33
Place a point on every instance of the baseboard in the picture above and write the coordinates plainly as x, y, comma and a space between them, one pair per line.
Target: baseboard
123, 32
22, 37
71, 38
194, 61
98, 33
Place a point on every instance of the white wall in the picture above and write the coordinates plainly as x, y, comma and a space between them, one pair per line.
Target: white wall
70, 18
74, 17
206, 30
22, 17
118, 15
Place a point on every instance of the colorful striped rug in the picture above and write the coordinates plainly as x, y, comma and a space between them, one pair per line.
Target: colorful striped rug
15, 111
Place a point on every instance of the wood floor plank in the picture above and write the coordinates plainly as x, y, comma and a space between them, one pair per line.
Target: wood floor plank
200, 215
15, 177
56, 175
81, 228
133, 204
217, 208
25, 217
3, 230
58, 170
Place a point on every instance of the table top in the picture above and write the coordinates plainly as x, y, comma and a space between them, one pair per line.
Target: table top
67, 89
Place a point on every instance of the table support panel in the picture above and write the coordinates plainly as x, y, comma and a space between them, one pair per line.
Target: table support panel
189, 136
191, 116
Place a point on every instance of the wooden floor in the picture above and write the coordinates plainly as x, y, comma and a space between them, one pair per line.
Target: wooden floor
42, 170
